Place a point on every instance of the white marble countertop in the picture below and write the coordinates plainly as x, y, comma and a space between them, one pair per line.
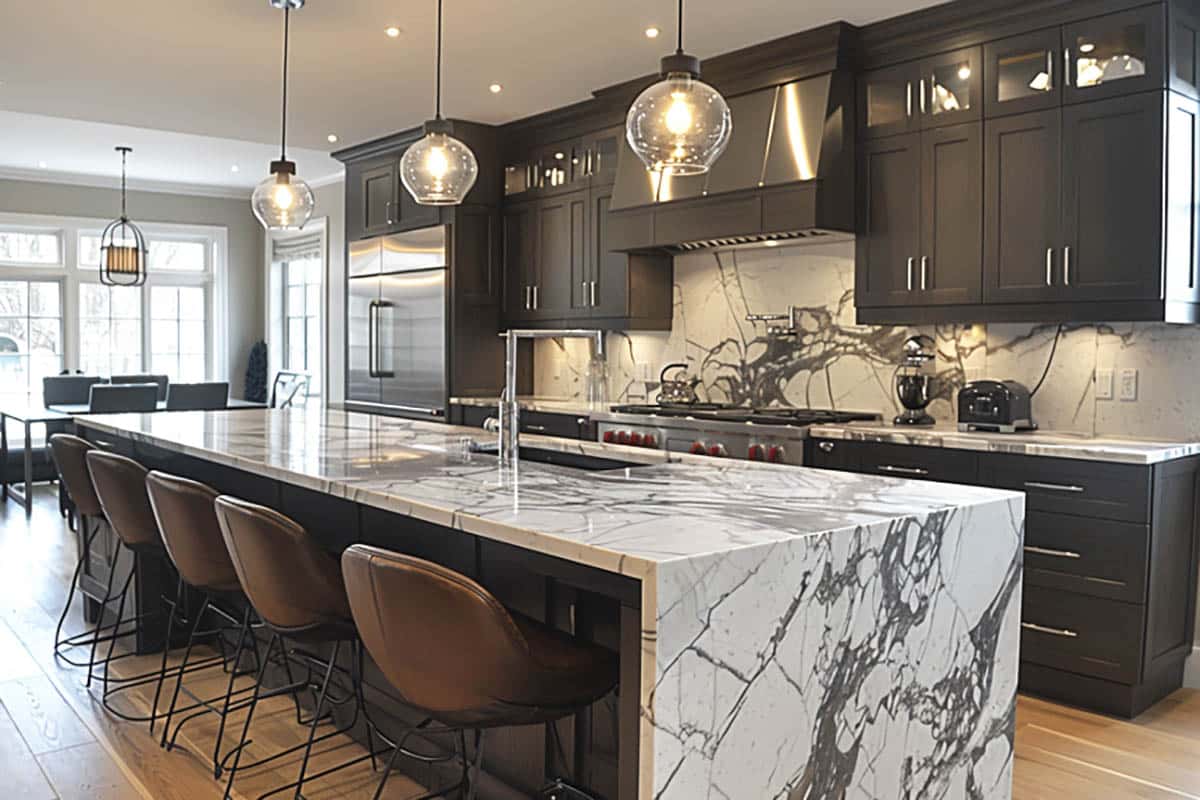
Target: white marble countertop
1059, 444
625, 521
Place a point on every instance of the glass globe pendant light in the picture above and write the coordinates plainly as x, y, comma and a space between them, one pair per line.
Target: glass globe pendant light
438, 170
283, 202
122, 247
680, 125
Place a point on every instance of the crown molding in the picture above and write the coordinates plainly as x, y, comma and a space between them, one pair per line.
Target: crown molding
140, 185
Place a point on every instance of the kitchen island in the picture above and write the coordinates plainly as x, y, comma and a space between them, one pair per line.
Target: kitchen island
792, 633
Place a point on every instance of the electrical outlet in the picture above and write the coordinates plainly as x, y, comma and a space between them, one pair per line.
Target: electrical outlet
1129, 385
1104, 384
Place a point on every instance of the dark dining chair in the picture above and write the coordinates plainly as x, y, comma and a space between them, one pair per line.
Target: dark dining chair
212, 396
68, 390
289, 389
109, 399
162, 381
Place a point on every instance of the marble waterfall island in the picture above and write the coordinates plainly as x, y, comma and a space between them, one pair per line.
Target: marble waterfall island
803, 634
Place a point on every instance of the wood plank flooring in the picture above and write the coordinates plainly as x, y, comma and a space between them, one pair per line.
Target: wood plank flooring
57, 741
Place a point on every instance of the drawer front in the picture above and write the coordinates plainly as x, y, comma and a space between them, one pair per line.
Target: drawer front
1085, 488
920, 463
1097, 557
1082, 634
567, 426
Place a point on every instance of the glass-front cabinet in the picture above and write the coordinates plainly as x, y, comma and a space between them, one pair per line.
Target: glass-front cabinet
1115, 54
942, 90
1025, 73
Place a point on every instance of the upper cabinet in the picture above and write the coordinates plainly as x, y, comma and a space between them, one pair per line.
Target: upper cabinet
564, 166
377, 203
1115, 54
943, 90
1024, 73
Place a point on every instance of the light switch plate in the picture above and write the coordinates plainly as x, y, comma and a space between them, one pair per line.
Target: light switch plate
1104, 384
1129, 385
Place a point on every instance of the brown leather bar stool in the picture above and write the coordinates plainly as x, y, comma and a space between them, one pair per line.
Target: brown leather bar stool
69, 453
183, 511
296, 589
465, 661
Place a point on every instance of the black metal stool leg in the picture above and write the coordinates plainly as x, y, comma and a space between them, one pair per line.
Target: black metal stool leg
182, 669
316, 720
83, 555
100, 619
116, 634
233, 674
262, 670
162, 673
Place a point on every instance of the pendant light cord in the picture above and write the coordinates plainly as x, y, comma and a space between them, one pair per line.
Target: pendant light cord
438, 92
287, 18
679, 30
124, 155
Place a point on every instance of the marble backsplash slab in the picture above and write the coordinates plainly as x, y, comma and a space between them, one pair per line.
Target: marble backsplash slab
834, 363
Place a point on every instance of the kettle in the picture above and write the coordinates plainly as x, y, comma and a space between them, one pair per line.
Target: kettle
681, 391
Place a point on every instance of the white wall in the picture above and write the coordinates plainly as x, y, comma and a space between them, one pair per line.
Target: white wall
244, 281
331, 204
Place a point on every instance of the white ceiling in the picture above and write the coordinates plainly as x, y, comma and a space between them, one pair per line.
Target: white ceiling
211, 69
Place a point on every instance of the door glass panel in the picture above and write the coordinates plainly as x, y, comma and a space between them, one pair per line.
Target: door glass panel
1110, 54
951, 89
1024, 74
887, 102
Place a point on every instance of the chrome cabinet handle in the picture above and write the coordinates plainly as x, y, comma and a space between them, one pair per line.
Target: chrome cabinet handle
535, 297
1045, 551
902, 470
528, 298
825, 447
909, 101
1049, 266
924, 273
387, 212
1067, 265
1049, 70
922, 95
584, 286
1063, 632
911, 261
535, 428
593, 294
1067, 66
1054, 487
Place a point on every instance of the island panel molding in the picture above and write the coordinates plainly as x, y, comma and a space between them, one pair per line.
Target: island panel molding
915, 585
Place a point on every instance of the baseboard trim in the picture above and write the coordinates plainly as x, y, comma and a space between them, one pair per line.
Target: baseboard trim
1191, 670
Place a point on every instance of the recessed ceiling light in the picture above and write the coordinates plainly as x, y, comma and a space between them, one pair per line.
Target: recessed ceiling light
495, 88
392, 32
332, 138
235, 168
42, 165
652, 32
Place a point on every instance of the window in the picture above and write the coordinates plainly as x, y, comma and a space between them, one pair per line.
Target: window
30, 333
30, 247
302, 318
166, 255
110, 329
177, 332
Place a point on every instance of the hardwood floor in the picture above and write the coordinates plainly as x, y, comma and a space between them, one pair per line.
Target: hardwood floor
57, 741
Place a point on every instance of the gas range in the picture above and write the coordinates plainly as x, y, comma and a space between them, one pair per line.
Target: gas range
772, 434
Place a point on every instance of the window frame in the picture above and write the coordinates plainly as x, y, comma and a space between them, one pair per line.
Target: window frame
311, 351
71, 274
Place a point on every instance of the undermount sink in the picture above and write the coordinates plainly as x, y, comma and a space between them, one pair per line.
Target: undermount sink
558, 458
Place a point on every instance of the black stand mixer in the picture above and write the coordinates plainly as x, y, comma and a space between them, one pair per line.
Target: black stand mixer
914, 381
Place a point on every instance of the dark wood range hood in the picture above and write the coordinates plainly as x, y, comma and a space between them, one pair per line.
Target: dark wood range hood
787, 173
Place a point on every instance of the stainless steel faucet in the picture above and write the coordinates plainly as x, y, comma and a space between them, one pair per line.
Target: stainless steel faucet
510, 408
792, 318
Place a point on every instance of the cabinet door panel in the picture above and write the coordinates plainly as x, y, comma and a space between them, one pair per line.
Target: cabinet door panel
1024, 73
1022, 207
556, 254
1112, 198
951, 88
888, 100
609, 270
372, 196
951, 266
1115, 54
889, 238
519, 260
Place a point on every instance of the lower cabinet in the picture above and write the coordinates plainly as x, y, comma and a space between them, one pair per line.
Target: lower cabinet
1109, 608
564, 426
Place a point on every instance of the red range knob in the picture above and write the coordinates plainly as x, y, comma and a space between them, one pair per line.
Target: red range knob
636, 439
757, 453
623, 437
651, 440
718, 451
775, 454
610, 437
698, 449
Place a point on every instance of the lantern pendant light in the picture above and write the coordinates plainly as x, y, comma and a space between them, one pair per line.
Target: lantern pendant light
438, 170
680, 125
283, 202
122, 247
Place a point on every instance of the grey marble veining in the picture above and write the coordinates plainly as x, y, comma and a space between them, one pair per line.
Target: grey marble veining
805, 634
1041, 443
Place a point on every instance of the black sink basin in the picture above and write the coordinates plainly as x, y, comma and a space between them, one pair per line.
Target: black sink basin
558, 458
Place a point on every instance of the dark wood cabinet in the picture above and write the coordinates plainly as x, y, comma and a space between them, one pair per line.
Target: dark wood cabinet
377, 202
1108, 613
519, 235
888, 100
921, 218
1112, 166
1024, 73
1115, 54
561, 255
1022, 207
946, 89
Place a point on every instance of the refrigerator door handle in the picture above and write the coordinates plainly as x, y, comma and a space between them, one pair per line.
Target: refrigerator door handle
372, 318
380, 372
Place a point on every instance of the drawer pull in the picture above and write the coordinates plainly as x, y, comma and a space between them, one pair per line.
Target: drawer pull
535, 428
1063, 632
825, 447
903, 470
1054, 487
1044, 551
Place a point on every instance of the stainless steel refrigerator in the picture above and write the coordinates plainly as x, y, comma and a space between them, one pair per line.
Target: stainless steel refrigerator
396, 324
